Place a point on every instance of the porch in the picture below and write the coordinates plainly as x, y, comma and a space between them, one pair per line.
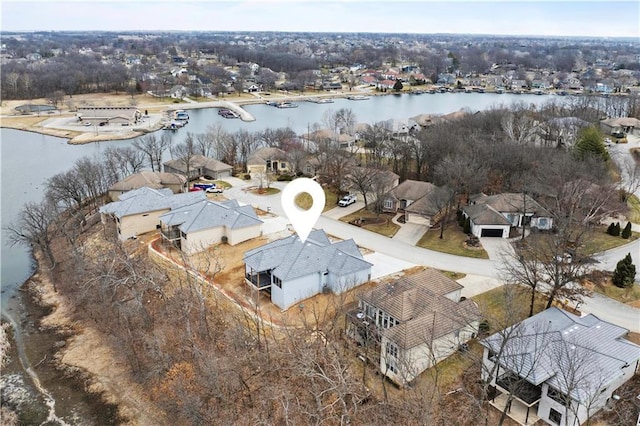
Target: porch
518, 411
523, 406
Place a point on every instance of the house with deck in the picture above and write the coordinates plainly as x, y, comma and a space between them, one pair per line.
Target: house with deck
410, 325
195, 227
557, 367
291, 271
138, 211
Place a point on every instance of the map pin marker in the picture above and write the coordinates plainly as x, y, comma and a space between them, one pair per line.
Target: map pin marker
303, 220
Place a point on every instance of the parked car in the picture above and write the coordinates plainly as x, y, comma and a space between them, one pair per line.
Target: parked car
195, 188
347, 200
214, 190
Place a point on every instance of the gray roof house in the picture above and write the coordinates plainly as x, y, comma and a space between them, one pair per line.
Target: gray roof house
199, 165
413, 323
197, 226
155, 180
422, 202
559, 368
138, 211
291, 271
494, 215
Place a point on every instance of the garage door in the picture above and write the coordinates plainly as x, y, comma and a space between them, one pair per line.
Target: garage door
491, 232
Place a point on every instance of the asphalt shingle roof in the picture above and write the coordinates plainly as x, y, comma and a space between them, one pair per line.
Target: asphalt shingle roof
289, 258
146, 199
211, 214
575, 355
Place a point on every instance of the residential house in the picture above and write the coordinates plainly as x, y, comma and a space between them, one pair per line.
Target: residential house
199, 166
413, 323
178, 91
373, 181
154, 180
494, 215
291, 271
138, 211
197, 226
105, 115
628, 125
557, 367
268, 159
422, 202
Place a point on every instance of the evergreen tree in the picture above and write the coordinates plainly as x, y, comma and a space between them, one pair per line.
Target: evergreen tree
610, 228
625, 272
590, 143
467, 226
397, 86
616, 230
626, 232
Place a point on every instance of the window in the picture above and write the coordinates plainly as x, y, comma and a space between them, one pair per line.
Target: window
309, 169
277, 281
542, 222
283, 165
183, 235
391, 366
388, 204
555, 416
392, 350
557, 396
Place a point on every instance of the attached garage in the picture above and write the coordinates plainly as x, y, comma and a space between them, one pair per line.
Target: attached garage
491, 232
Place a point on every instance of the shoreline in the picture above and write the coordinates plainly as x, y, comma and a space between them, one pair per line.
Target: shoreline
87, 357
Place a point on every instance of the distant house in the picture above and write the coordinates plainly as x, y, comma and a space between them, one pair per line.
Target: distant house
375, 181
413, 323
199, 166
178, 91
628, 125
154, 180
291, 271
558, 367
138, 211
422, 202
106, 115
494, 215
268, 159
195, 227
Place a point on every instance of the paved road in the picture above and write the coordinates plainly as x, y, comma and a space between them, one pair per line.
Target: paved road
484, 273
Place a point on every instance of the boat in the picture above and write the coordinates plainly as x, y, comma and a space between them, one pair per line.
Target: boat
287, 105
174, 125
273, 103
357, 98
320, 101
181, 115
227, 113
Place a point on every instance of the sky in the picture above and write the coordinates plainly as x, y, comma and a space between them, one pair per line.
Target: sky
506, 17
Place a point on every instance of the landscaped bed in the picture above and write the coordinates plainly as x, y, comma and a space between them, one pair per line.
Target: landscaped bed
378, 223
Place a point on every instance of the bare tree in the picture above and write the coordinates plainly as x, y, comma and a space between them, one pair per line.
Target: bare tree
185, 153
154, 149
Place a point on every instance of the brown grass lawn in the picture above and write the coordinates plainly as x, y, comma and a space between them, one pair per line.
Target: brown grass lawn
388, 228
600, 282
493, 305
304, 201
600, 241
634, 209
452, 243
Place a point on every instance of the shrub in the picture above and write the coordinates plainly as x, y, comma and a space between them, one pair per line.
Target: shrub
247, 176
626, 232
616, 230
610, 228
625, 272
483, 327
284, 178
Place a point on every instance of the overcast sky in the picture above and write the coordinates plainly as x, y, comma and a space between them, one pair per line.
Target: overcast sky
568, 18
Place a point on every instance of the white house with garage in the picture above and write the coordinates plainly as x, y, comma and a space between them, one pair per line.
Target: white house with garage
138, 211
291, 271
195, 227
557, 367
495, 215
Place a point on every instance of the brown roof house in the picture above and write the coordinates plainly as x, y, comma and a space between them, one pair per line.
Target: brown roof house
628, 125
198, 166
423, 203
268, 159
494, 215
155, 180
414, 323
106, 115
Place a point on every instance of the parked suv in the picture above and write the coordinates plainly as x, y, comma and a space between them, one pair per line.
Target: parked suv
347, 200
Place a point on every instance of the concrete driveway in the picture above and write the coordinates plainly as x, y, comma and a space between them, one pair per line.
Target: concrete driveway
497, 248
338, 212
410, 233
